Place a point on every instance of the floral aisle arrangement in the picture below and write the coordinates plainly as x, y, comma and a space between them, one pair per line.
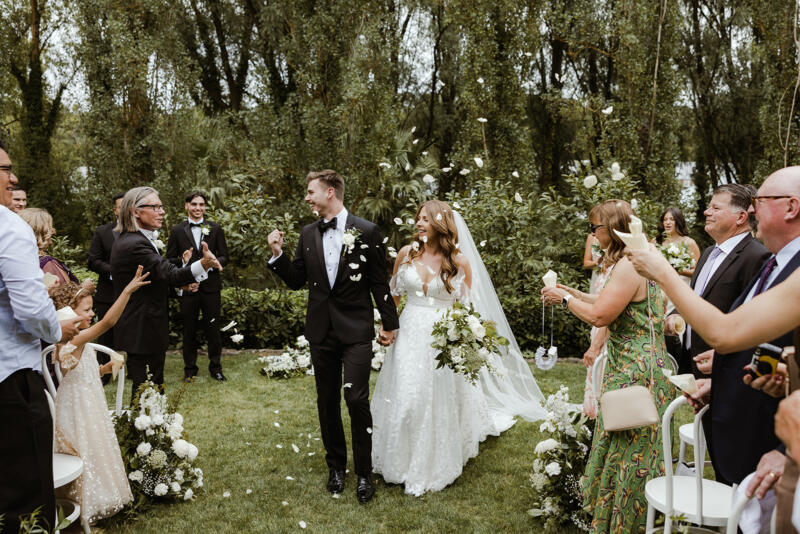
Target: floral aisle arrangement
559, 463
293, 361
158, 460
465, 342
678, 255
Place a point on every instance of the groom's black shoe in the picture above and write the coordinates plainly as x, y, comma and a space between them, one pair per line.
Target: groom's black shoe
336, 481
365, 489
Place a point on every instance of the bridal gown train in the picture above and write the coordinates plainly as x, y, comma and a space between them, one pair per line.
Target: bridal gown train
427, 422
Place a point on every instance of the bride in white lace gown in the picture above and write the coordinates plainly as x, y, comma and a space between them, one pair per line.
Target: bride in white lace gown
428, 422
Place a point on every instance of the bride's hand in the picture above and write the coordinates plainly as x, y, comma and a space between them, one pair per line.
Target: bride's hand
385, 338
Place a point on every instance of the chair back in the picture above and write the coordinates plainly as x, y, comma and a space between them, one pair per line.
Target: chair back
120, 377
52, 405
699, 456
46, 355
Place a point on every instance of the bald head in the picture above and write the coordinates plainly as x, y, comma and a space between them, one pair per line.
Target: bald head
778, 208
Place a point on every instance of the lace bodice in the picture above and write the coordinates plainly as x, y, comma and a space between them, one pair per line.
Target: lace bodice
408, 281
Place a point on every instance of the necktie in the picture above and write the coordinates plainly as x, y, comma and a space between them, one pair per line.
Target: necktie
762, 280
322, 225
706, 272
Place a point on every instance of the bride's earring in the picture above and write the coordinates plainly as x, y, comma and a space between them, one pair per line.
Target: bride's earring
546, 359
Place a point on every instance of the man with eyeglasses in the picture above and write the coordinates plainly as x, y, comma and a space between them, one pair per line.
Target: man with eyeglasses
27, 316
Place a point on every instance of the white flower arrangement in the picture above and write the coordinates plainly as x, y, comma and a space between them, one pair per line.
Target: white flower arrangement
205, 230
293, 361
465, 343
349, 239
678, 255
558, 465
150, 438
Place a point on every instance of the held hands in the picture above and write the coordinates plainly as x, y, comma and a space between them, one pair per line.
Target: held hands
773, 385
137, 281
787, 423
209, 260
704, 361
649, 263
385, 338
275, 241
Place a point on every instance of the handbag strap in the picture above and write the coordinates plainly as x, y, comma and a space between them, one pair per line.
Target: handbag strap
652, 334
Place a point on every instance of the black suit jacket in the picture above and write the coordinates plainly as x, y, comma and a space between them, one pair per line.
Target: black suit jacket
100, 261
729, 280
347, 306
181, 238
143, 327
743, 419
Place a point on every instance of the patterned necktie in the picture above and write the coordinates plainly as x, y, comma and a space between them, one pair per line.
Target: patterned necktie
705, 273
762, 280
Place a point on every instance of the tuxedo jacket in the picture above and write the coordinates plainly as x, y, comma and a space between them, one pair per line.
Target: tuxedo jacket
181, 239
143, 327
742, 418
729, 280
100, 261
347, 306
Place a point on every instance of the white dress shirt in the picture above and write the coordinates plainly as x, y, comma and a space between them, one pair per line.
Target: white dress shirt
782, 258
27, 314
197, 232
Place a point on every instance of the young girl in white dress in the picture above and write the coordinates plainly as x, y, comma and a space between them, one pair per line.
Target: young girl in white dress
83, 424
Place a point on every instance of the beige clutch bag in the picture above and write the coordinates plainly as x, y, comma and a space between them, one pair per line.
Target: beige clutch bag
627, 408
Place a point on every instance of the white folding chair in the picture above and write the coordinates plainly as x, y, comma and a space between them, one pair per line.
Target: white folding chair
736, 514
701, 501
66, 468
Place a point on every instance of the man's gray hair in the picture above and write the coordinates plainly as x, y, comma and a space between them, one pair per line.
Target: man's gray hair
132, 200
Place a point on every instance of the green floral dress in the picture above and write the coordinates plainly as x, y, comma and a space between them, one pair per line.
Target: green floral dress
620, 463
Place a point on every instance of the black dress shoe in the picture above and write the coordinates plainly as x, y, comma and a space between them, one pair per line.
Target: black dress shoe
219, 376
336, 481
365, 489
188, 379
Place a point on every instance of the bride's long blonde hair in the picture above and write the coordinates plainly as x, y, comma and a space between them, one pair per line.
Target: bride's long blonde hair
440, 215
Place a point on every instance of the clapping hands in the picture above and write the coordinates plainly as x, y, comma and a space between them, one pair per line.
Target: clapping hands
208, 260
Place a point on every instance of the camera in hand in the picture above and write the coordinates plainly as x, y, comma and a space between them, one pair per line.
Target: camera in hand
765, 360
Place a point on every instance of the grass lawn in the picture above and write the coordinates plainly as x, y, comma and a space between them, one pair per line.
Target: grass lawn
242, 448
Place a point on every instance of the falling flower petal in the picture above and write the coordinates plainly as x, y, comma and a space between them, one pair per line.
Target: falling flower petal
228, 326
398, 221
237, 338
302, 524
348, 385
369, 430
515, 174
463, 172
424, 239
483, 243
408, 166
634, 204
414, 129
482, 120
608, 110
478, 162
528, 54
335, 495
392, 254
311, 453
428, 179
410, 221
480, 81
295, 448
276, 424
445, 169
284, 503
384, 165
279, 446
517, 197
385, 239
590, 181
362, 258
456, 205
226, 494
289, 478
248, 491
386, 297
277, 411
356, 277
354, 266
362, 247
438, 216
415, 141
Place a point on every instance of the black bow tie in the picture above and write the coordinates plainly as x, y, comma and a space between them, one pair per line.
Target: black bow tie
194, 224
322, 225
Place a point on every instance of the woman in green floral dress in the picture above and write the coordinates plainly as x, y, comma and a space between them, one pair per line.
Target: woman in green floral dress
621, 462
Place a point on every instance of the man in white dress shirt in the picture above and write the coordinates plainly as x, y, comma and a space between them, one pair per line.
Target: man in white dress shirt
27, 315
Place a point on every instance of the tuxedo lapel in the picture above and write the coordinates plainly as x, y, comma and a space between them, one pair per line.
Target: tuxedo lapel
342, 259
320, 251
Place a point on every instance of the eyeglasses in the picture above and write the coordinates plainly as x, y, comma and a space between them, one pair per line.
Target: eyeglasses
154, 207
593, 227
756, 200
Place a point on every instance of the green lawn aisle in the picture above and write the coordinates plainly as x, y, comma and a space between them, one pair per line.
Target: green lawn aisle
241, 448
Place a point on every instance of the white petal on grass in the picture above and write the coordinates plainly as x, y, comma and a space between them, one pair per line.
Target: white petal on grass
276, 424
276, 412
295, 448
228, 326
478, 162
311, 453
384, 165
335, 495
517, 197
226, 494
302, 524
279, 446
248, 491
284, 503
289, 478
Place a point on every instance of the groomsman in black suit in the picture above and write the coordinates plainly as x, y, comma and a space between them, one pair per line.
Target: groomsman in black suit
100, 262
339, 318
143, 328
183, 248
742, 420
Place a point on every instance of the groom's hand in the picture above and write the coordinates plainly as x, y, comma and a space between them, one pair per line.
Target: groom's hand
275, 240
385, 338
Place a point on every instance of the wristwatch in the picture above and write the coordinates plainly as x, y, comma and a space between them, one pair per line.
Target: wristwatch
565, 301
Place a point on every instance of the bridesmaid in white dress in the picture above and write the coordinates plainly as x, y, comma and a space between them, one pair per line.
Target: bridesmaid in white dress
83, 424
428, 422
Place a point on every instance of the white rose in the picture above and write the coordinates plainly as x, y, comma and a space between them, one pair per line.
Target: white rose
348, 240
617, 176
188, 495
180, 447
143, 449
590, 181
552, 469
192, 452
160, 490
175, 487
615, 168
546, 445
136, 476
302, 341
179, 475
142, 422
177, 418
158, 419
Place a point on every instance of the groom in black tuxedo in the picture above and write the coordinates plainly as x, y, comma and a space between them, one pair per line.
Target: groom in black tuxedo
343, 260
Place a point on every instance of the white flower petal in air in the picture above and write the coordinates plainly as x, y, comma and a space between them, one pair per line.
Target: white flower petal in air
276, 424
276, 412
356, 277
428, 179
480, 81
463, 172
384, 165
362, 258
410, 221
289, 478
483, 243
369, 430
482, 120
634, 204
478, 162
228, 326
226, 494
607, 111
415, 141
617, 176
414, 129
347, 385
424, 152
515, 174
445, 169
424, 239
302, 524
385, 239
590, 181
517, 197
528, 54
295, 448
398, 221
237, 338
392, 254
456, 205
354, 266
415, 245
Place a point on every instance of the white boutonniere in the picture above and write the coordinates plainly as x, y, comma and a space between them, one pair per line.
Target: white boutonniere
159, 244
205, 230
349, 239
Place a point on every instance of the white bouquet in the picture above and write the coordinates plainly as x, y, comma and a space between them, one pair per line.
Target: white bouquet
465, 343
158, 460
559, 463
378, 350
678, 255
293, 361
